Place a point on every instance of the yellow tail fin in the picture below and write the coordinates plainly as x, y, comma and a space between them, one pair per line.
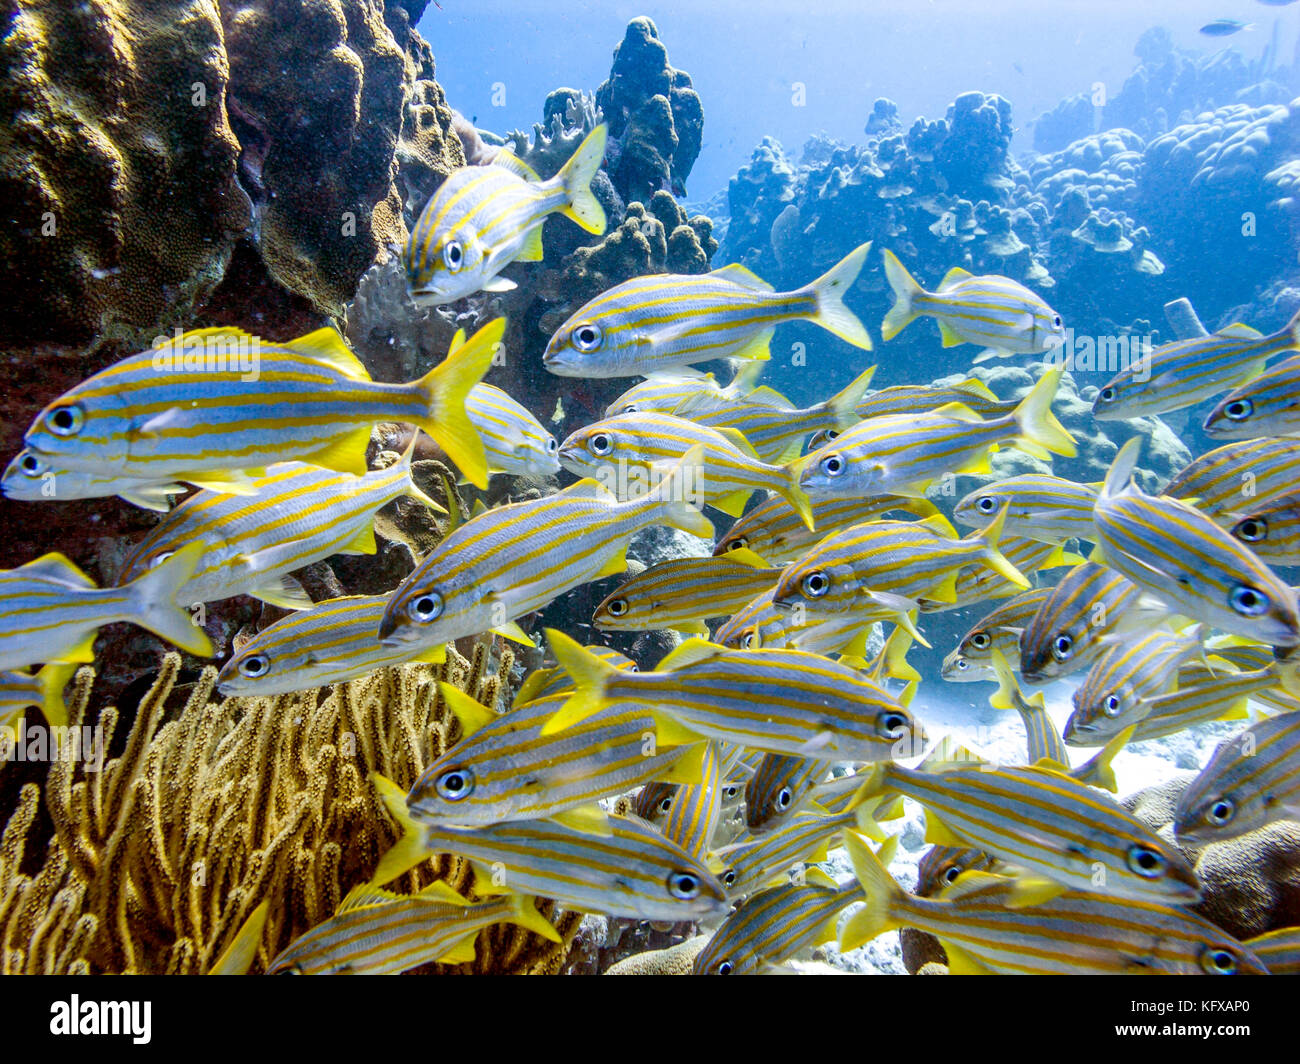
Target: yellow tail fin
832, 315
994, 558
590, 677
880, 892
445, 389
410, 849
583, 207
905, 291
1038, 425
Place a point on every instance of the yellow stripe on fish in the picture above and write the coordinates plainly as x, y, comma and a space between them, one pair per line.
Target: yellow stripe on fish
32, 477
972, 658
1263, 406
1237, 475
979, 583
43, 689
1040, 507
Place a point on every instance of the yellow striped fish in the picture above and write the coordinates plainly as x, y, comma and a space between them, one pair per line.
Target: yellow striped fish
902, 559
985, 926
630, 871
777, 533
1114, 694
729, 470
761, 623
780, 787
542, 683
329, 643
696, 808
1039, 507
653, 801
1279, 950
31, 477
904, 453
925, 398
990, 310
514, 440
503, 563
972, 658
1271, 530
1264, 406
504, 769
50, 610
942, 865
665, 321
297, 515
1043, 821
1184, 559
979, 583
375, 932
483, 218
681, 593
1236, 475
310, 400
1250, 781
1181, 374
777, 701
43, 689
800, 838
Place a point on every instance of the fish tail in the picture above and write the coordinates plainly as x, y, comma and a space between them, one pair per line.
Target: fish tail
411, 488
445, 388
905, 291
893, 655
576, 176
1037, 424
238, 957
523, 912
993, 557
1005, 696
154, 598
792, 492
1121, 470
674, 494
410, 848
590, 677
51, 681
843, 405
831, 314
1098, 770
880, 892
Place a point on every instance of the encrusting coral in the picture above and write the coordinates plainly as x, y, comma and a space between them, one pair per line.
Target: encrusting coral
157, 860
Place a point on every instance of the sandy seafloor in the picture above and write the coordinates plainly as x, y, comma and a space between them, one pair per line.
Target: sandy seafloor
999, 736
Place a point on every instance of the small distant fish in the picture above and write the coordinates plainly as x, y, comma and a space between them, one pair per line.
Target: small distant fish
666, 321
1279, 950
775, 532
1181, 374
1183, 558
331, 642
31, 477
978, 583
1263, 406
926, 398
375, 932
760, 623
1271, 530
903, 454
972, 658
1251, 780
1246, 473
482, 218
309, 400
697, 806
503, 563
681, 593
992, 923
1225, 27
780, 786
777, 701
50, 610
43, 689
993, 311
942, 866
514, 440
542, 683
630, 870
1040, 507
800, 838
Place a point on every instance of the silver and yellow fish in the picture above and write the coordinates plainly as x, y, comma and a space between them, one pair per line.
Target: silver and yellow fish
1181, 374
990, 310
1279, 950
696, 808
665, 321
50, 610
483, 218
1263, 406
514, 440
42, 689
1271, 529
1183, 558
1046, 508
375, 932
979, 583
1237, 475
1251, 780
31, 477
149, 417
801, 838
780, 786
761, 623
972, 658
681, 593
926, 398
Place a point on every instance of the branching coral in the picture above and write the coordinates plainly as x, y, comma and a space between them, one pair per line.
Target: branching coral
157, 860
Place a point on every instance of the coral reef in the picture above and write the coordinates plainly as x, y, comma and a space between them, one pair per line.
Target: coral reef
156, 861
675, 960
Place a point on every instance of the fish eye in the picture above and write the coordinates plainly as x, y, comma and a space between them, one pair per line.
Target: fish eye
951, 874
724, 968
684, 885
455, 784
730, 792
1221, 812
587, 337
1110, 705
1107, 394
1251, 530
66, 420
962, 664
29, 465
601, 445
1056, 321
453, 255
1247, 601
1239, 409
551, 445
748, 641
784, 798
1062, 647
729, 877
1219, 962
1146, 862
832, 465
739, 543
425, 608
893, 725
255, 665
617, 607
980, 641
665, 805
986, 504
816, 584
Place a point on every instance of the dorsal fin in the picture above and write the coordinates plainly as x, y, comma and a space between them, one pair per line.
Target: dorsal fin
55, 566
588, 488
738, 274
690, 652
958, 412
1238, 329
975, 386
326, 345
737, 439
952, 277
508, 160
364, 895
745, 556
